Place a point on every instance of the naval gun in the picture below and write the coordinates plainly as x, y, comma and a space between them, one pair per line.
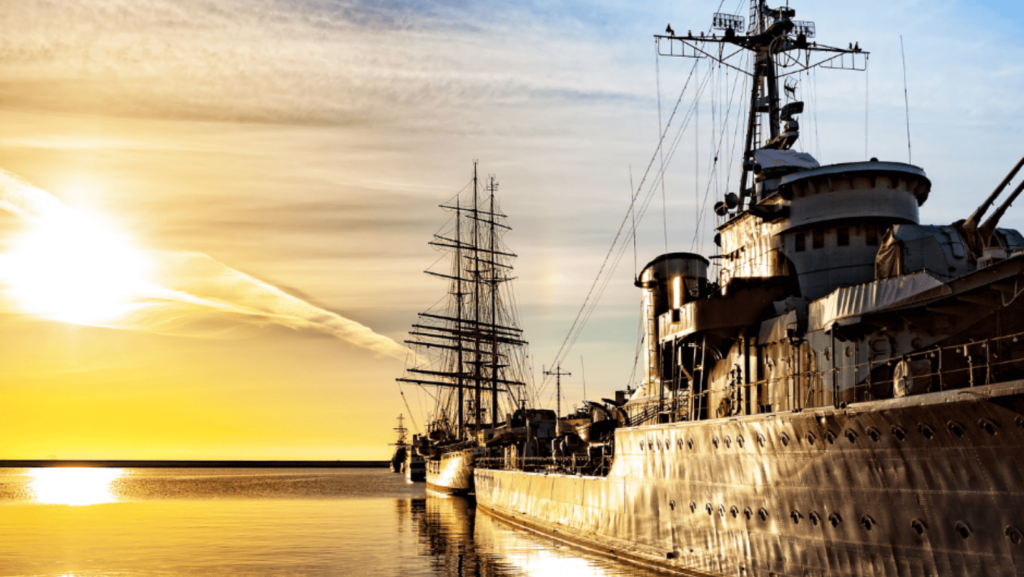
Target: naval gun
980, 238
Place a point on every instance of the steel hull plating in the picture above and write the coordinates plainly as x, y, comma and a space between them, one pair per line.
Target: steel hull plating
801, 494
452, 473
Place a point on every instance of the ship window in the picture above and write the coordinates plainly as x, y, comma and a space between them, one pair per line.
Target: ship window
801, 242
871, 235
843, 236
818, 240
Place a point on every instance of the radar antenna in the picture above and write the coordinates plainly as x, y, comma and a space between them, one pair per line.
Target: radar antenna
781, 47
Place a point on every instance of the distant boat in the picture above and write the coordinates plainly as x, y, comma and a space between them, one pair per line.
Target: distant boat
401, 446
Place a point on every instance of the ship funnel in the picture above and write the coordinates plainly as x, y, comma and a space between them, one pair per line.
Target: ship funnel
669, 282
972, 223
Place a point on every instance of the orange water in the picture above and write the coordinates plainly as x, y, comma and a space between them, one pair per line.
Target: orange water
134, 522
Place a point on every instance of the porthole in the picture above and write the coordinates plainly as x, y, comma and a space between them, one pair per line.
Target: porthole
956, 428
988, 426
830, 437
748, 513
739, 441
693, 507
679, 443
815, 518
796, 516
811, 437
851, 435
721, 511
925, 430
760, 439
834, 519
785, 439
728, 442
715, 442
709, 509
672, 505
735, 511
918, 526
867, 522
762, 513
874, 433
1013, 534
899, 433
963, 529
689, 443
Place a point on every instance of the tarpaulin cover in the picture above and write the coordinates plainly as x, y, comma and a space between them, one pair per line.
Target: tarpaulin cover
889, 261
872, 297
770, 158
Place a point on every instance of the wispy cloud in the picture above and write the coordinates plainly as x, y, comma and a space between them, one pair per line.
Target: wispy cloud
187, 293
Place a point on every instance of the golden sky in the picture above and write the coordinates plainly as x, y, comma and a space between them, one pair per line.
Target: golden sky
215, 213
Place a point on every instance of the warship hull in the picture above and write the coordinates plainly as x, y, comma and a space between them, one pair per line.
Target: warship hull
922, 485
452, 472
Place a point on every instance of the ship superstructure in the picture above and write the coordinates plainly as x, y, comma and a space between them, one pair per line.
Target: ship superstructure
468, 348
843, 399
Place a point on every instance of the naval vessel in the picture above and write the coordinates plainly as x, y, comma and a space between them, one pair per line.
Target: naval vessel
844, 397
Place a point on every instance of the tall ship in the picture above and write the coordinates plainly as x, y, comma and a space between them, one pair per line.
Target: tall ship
843, 398
401, 445
468, 348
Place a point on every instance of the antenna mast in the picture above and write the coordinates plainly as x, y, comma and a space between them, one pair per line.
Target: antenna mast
558, 373
781, 47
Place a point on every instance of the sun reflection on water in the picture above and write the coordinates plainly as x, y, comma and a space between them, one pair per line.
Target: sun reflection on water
74, 485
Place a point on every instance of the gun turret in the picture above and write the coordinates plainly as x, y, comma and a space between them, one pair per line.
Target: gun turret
976, 241
989, 226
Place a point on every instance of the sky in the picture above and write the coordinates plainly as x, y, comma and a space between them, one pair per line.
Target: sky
215, 214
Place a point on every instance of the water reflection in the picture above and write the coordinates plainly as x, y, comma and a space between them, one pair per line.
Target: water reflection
73, 485
460, 542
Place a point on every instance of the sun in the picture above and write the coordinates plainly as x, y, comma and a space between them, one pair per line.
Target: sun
73, 267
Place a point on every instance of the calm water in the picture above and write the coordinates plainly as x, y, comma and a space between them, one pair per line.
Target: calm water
129, 522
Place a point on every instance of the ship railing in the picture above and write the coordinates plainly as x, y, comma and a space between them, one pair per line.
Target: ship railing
846, 378
570, 465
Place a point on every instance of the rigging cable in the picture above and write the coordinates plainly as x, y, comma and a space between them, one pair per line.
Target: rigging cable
621, 249
664, 205
558, 355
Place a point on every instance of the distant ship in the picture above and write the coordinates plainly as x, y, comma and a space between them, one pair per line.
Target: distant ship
845, 398
469, 347
401, 446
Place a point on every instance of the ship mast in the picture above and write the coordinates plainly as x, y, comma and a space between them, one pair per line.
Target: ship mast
478, 333
780, 47
492, 187
476, 305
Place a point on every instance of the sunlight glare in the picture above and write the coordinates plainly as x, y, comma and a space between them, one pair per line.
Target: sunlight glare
72, 267
74, 485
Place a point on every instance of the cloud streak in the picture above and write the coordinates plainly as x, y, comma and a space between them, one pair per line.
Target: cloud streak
184, 293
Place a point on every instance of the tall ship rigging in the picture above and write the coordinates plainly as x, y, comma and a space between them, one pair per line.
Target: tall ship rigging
844, 398
468, 349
